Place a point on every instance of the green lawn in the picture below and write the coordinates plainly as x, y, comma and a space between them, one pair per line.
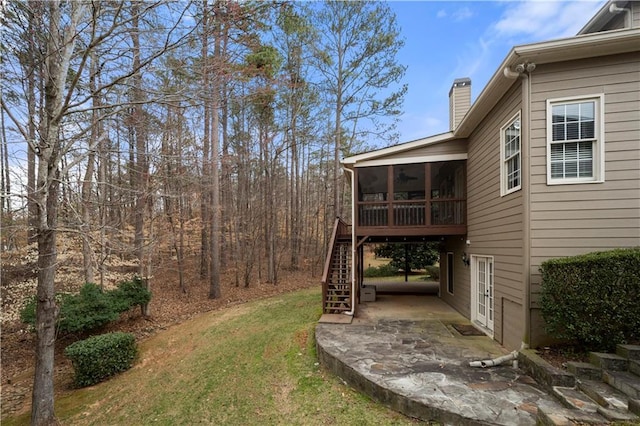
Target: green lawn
247, 365
420, 278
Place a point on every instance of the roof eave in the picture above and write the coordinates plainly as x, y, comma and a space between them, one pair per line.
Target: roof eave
579, 47
418, 143
601, 18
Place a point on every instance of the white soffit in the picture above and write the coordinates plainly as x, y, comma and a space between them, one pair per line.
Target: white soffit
395, 149
411, 160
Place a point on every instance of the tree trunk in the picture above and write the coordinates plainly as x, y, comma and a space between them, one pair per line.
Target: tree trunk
139, 131
214, 286
36, 70
59, 48
205, 258
42, 410
87, 182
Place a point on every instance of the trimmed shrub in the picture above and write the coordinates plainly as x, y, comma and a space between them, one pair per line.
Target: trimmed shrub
100, 357
380, 271
593, 299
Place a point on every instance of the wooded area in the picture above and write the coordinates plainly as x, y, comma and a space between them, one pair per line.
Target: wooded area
173, 129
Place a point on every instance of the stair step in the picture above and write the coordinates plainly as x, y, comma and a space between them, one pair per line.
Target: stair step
335, 309
608, 361
603, 394
629, 351
625, 382
584, 370
573, 398
634, 367
616, 415
634, 406
567, 417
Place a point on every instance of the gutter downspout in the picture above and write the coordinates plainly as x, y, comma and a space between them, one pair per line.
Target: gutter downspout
613, 8
353, 244
524, 70
526, 202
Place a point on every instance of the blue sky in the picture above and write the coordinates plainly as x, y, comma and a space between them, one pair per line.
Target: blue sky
445, 40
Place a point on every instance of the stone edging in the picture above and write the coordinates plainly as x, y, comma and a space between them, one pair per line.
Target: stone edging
544, 373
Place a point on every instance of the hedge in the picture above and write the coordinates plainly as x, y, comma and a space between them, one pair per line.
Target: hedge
100, 357
92, 307
593, 299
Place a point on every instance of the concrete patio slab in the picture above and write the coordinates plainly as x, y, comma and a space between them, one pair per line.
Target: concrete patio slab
403, 352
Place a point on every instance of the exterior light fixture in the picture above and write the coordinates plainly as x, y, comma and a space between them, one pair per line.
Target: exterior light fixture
465, 259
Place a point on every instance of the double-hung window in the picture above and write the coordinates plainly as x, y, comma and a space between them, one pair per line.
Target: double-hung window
510, 147
575, 145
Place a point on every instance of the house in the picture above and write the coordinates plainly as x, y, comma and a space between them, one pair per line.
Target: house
545, 163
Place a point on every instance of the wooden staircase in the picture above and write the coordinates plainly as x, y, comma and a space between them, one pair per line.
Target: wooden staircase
336, 280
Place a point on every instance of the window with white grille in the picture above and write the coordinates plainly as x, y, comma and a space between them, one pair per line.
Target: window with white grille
510, 147
575, 150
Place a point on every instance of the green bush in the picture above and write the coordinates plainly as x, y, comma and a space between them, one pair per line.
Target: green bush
92, 308
381, 271
593, 299
433, 272
100, 357
129, 294
28, 312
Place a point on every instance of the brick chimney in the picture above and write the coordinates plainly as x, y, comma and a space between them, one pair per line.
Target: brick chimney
459, 101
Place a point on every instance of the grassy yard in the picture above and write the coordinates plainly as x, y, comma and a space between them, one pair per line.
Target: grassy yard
251, 364
413, 277
370, 260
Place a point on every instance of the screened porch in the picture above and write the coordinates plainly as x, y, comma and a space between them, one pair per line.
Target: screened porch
411, 199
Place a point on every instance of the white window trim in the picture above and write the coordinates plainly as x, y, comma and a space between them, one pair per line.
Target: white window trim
503, 175
598, 152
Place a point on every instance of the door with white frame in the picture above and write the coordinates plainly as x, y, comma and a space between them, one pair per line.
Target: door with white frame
482, 291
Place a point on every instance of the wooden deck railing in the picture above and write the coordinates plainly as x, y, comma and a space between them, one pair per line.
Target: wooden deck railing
412, 213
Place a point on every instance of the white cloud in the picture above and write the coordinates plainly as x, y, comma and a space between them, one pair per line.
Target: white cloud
544, 20
462, 14
458, 15
522, 22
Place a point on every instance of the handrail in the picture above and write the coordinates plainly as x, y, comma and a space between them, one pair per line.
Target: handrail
339, 228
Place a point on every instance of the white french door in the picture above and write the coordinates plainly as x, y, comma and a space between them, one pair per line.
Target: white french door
482, 296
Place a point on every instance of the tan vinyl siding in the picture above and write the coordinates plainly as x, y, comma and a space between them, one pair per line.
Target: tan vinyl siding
494, 223
573, 219
463, 100
513, 333
460, 300
458, 146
